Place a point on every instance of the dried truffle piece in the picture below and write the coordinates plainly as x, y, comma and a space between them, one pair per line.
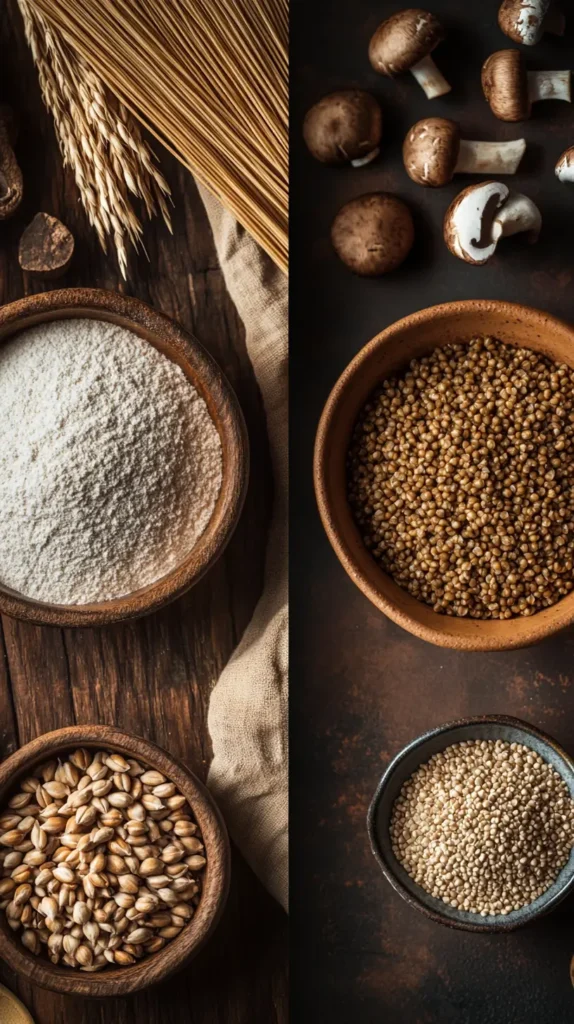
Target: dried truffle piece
46, 247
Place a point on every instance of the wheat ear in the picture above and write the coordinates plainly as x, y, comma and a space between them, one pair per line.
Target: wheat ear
98, 138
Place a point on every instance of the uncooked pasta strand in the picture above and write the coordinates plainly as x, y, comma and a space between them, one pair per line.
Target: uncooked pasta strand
209, 80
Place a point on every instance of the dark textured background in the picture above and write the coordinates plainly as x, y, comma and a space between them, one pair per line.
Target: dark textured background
361, 687
153, 676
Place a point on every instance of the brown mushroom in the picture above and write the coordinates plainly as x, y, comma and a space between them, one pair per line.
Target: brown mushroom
511, 90
482, 214
404, 42
11, 182
344, 128
373, 234
433, 152
526, 21
565, 166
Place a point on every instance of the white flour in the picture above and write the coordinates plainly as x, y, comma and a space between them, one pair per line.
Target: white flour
110, 464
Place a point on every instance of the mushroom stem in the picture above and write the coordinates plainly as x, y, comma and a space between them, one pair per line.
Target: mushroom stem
548, 85
517, 214
554, 22
429, 78
489, 157
362, 160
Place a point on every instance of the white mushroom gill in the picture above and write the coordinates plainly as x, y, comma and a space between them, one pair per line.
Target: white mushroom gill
472, 221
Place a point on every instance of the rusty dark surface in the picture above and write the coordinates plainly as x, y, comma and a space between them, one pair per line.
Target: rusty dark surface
361, 687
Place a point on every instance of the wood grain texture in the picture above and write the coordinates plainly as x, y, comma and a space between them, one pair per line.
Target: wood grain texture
153, 675
362, 686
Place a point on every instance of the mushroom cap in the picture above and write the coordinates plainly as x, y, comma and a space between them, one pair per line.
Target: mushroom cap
521, 20
430, 151
468, 221
373, 233
565, 165
505, 85
403, 40
343, 126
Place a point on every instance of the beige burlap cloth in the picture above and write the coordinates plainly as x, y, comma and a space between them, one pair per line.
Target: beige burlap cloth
248, 709
12, 1011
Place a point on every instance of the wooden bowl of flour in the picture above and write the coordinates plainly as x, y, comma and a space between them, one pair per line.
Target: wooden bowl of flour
180, 348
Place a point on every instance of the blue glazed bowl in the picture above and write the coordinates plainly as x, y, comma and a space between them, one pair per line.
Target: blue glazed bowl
491, 727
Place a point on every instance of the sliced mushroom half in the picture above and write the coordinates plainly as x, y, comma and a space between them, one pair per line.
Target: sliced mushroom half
565, 165
483, 214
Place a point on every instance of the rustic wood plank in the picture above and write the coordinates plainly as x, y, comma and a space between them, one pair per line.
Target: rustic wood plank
152, 676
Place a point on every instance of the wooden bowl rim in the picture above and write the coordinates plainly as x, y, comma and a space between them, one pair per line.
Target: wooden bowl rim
468, 926
216, 878
540, 625
143, 320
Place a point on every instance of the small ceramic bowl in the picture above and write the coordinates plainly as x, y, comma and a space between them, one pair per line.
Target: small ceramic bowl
387, 354
490, 727
120, 981
182, 348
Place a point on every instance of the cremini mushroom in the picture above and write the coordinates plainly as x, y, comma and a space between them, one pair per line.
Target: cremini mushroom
373, 234
565, 165
433, 152
482, 214
511, 90
344, 128
526, 21
404, 43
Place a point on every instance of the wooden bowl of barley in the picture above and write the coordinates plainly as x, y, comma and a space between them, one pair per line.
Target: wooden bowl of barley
199, 817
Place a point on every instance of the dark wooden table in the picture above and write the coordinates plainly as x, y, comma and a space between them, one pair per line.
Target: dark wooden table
361, 687
153, 676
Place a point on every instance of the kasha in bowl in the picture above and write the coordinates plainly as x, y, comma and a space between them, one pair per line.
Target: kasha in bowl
450, 539
123, 460
114, 862
473, 823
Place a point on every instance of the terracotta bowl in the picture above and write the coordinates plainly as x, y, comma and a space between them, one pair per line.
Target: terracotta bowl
156, 967
179, 346
489, 727
389, 353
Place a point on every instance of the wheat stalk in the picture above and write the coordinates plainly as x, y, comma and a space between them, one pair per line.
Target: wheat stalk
98, 138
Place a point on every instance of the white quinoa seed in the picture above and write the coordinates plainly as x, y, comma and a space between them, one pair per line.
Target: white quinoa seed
485, 826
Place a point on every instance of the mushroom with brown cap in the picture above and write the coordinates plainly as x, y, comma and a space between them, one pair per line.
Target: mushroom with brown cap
565, 166
526, 21
482, 214
404, 42
373, 234
344, 128
433, 152
511, 90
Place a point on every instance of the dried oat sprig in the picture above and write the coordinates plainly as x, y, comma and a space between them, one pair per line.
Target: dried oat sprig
98, 138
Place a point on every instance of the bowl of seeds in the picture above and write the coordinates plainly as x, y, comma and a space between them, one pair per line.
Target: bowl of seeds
444, 474
473, 823
114, 862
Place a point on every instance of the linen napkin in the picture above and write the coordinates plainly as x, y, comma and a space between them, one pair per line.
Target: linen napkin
248, 709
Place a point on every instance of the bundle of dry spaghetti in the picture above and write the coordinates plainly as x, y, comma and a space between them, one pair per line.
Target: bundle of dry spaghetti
98, 138
209, 79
